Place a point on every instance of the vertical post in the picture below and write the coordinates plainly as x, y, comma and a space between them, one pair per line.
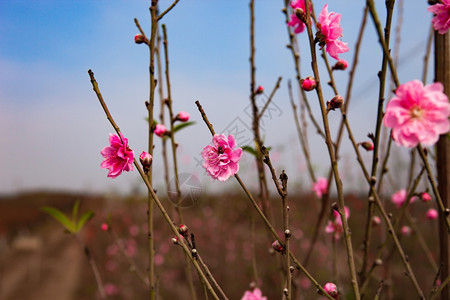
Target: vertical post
442, 74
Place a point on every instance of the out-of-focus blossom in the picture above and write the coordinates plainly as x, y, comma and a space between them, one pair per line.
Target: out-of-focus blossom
160, 130
335, 226
182, 116
134, 230
331, 289
256, 294
399, 198
104, 227
111, 289
118, 156
329, 33
368, 146
309, 83
418, 114
341, 64
425, 197
221, 160
259, 90
441, 19
406, 231
295, 22
432, 214
376, 221
320, 187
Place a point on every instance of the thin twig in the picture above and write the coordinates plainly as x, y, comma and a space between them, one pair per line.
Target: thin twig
152, 192
331, 152
277, 86
167, 10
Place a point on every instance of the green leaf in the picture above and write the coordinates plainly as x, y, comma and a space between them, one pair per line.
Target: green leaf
84, 218
60, 217
75, 207
249, 149
182, 125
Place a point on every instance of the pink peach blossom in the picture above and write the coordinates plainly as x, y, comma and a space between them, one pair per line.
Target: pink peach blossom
418, 114
320, 187
341, 64
111, 289
330, 32
104, 227
309, 83
441, 19
432, 214
399, 198
182, 116
146, 160
425, 197
376, 221
256, 294
406, 231
331, 289
221, 161
118, 156
160, 130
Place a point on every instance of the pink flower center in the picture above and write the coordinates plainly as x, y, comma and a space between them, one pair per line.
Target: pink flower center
416, 112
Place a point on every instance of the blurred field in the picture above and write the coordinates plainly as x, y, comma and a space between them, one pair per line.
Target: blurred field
39, 261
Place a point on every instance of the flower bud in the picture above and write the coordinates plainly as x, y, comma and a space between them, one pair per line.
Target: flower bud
309, 83
183, 229
160, 130
331, 289
104, 227
432, 214
336, 102
406, 231
175, 241
425, 197
276, 245
300, 13
259, 90
367, 145
182, 116
146, 161
376, 221
139, 39
341, 64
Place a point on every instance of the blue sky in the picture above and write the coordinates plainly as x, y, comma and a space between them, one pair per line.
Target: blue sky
53, 128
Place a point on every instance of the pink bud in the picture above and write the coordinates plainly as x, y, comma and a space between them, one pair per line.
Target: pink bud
406, 231
182, 116
259, 90
376, 221
276, 245
139, 38
309, 83
336, 102
432, 214
146, 161
341, 64
183, 229
331, 289
367, 145
160, 130
104, 227
425, 197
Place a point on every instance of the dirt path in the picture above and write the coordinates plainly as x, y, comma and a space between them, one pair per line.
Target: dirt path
47, 266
